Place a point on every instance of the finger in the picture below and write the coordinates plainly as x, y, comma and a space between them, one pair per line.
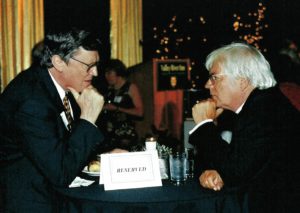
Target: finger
216, 186
210, 183
200, 101
218, 183
219, 112
90, 87
215, 181
74, 93
210, 100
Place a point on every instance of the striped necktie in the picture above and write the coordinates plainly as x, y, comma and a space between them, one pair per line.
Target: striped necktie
68, 111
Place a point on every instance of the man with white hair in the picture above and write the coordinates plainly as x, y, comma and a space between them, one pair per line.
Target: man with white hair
261, 159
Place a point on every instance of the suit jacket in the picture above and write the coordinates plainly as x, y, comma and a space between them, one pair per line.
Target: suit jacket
37, 153
262, 158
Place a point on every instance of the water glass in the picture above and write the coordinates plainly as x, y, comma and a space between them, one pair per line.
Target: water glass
177, 168
190, 160
163, 165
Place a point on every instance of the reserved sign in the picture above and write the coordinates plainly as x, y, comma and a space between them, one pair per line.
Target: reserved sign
130, 170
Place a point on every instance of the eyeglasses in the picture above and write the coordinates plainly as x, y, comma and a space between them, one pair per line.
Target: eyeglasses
215, 77
89, 66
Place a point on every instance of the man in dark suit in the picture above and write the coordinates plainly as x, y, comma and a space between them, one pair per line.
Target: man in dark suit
44, 145
261, 159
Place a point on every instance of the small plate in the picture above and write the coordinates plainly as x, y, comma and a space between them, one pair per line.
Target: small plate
94, 174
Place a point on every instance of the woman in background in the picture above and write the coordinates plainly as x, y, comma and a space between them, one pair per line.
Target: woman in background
123, 106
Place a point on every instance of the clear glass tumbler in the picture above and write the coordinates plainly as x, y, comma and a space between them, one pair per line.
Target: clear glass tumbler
177, 168
163, 165
190, 160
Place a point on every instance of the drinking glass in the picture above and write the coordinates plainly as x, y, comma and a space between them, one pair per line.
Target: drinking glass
190, 159
163, 165
177, 168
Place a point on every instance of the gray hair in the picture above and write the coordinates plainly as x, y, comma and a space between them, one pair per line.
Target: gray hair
240, 60
66, 43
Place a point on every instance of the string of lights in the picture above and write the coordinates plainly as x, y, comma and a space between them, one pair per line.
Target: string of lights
183, 37
251, 26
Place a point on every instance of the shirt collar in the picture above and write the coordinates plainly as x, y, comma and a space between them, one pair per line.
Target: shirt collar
239, 109
60, 90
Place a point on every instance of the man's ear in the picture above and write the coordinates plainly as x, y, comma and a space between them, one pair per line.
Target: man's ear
58, 63
244, 83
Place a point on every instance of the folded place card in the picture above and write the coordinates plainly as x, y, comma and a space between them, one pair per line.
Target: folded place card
130, 170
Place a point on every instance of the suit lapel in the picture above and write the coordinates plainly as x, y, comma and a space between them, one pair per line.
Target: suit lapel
52, 92
50, 89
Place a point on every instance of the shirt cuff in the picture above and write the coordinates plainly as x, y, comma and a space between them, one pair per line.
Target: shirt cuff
200, 124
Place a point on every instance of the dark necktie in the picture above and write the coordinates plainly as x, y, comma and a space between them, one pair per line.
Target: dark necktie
68, 112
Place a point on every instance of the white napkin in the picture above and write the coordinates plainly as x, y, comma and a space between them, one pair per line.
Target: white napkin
77, 182
226, 135
64, 118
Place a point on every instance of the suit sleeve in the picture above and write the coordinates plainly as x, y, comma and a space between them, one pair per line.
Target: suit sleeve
257, 144
209, 146
58, 155
255, 147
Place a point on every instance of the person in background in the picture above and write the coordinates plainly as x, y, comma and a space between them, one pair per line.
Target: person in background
123, 105
261, 159
47, 123
290, 49
286, 69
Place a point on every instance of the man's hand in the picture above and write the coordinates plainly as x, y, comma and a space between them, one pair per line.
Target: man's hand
211, 179
90, 103
204, 110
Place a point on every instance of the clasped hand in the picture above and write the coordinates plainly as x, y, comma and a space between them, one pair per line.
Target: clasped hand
90, 103
211, 179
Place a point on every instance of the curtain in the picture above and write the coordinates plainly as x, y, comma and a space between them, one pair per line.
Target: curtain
126, 31
21, 27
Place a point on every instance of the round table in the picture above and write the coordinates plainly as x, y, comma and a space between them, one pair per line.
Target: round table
189, 197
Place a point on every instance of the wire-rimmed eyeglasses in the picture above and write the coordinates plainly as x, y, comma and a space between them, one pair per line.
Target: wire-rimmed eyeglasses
89, 66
